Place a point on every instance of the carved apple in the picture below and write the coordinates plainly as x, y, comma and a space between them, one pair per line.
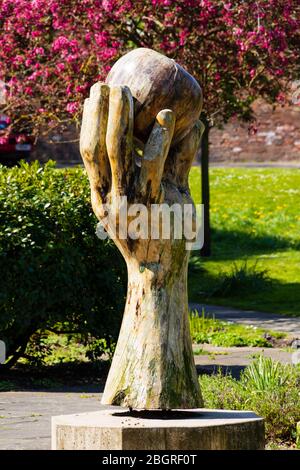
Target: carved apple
157, 82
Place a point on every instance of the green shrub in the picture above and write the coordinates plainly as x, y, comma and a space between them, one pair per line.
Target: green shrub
55, 273
100, 347
264, 375
241, 278
269, 388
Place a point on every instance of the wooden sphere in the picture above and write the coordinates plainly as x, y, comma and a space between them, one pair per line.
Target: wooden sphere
157, 82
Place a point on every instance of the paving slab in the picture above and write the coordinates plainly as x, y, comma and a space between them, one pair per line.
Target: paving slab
234, 360
25, 417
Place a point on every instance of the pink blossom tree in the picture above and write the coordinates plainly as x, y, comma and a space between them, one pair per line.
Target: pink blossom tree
52, 51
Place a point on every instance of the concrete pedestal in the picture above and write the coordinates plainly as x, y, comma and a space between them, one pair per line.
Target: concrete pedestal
200, 429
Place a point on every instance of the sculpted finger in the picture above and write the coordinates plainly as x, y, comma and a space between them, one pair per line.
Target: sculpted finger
92, 138
119, 139
182, 156
155, 154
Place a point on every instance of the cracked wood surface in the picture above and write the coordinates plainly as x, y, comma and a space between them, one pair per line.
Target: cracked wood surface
153, 365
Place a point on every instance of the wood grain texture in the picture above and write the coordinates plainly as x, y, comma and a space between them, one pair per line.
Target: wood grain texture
153, 365
157, 82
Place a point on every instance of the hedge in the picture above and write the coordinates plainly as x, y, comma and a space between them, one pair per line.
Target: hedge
55, 273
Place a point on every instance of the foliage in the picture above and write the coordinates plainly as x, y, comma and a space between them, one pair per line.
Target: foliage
49, 57
242, 277
255, 218
55, 273
268, 388
100, 347
5, 385
265, 375
227, 334
48, 348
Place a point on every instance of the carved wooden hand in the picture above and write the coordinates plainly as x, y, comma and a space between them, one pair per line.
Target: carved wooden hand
153, 364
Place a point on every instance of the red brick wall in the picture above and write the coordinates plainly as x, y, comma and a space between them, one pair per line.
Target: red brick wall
277, 137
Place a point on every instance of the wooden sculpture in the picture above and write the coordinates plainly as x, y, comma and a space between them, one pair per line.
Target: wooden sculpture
151, 100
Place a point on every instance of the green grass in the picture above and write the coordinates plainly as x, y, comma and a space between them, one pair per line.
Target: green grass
255, 219
266, 387
51, 349
225, 334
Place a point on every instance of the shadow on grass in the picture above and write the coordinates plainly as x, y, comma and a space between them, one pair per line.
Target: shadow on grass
234, 371
244, 284
228, 244
269, 296
75, 377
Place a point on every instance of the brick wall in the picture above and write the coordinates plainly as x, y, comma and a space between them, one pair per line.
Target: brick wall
277, 137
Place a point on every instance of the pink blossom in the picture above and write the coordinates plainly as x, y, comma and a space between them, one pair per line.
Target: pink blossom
281, 97
108, 5
60, 43
72, 107
36, 34
101, 38
28, 90
60, 67
39, 51
69, 89
80, 88
237, 31
57, 48
182, 37
18, 59
88, 37
227, 6
20, 138
54, 7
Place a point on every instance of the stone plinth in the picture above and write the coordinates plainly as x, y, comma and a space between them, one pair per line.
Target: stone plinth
199, 429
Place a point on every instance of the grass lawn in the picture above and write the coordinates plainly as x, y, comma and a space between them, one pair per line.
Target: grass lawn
255, 262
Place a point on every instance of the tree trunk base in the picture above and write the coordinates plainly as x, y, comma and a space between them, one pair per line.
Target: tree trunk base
153, 366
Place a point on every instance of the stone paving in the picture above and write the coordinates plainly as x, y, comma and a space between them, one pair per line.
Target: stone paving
25, 417
234, 360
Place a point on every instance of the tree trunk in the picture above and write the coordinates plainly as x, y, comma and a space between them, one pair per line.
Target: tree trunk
206, 249
153, 366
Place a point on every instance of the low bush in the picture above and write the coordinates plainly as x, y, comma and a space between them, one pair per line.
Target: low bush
242, 278
267, 387
56, 275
